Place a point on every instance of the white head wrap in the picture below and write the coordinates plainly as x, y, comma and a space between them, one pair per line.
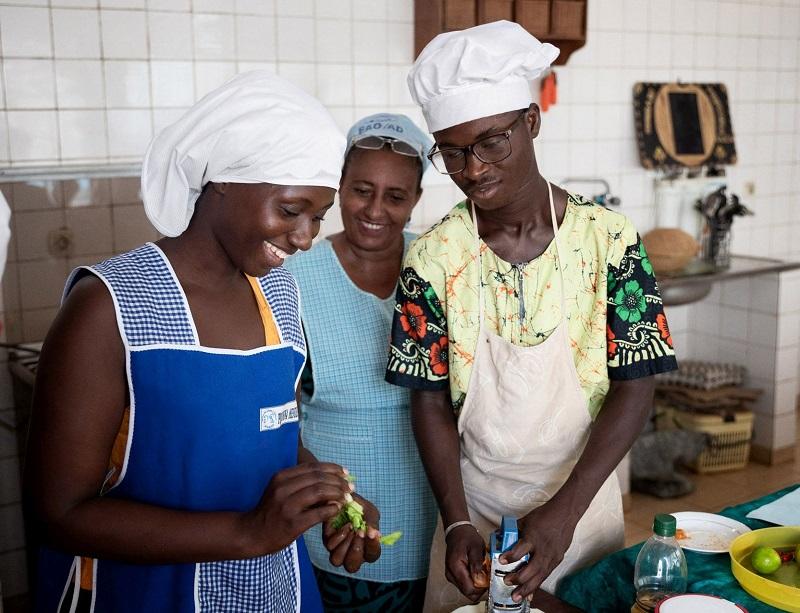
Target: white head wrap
478, 72
256, 128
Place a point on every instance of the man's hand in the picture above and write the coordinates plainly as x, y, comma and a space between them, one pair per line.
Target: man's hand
464, 561
545, 534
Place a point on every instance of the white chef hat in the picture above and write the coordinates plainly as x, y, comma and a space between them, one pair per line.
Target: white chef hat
478, 72
256, 128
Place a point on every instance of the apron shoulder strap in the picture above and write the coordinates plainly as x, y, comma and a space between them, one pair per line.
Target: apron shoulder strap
149, 302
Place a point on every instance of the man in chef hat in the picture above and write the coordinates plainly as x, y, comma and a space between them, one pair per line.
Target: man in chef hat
529, 325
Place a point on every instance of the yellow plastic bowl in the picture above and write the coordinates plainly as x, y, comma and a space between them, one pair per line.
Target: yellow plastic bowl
783, 597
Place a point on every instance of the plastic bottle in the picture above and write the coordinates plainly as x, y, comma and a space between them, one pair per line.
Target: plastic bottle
660, 566
503, 540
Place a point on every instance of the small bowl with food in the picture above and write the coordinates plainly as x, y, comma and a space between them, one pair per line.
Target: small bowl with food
766, 563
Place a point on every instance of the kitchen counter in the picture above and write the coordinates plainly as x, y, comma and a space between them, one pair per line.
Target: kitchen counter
694, 282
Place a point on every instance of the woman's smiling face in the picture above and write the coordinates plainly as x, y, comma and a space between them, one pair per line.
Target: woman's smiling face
378, 191
261, 224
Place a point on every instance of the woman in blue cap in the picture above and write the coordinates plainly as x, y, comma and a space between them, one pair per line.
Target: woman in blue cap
351, 416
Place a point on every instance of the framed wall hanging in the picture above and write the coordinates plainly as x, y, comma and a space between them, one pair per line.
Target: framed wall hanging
683, 124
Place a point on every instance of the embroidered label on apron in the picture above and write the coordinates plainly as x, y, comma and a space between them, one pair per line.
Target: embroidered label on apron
273, 418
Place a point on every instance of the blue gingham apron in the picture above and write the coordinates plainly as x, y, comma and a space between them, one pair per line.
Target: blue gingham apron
208, 429
356, 419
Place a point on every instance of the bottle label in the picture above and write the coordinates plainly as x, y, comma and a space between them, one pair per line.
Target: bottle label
499, 593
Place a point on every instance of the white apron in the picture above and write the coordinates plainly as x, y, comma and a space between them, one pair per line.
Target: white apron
523, 426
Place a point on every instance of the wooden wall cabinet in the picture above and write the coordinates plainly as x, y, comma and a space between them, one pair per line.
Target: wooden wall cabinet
560, 22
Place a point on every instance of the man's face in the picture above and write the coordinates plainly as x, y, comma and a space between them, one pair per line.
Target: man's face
492, 186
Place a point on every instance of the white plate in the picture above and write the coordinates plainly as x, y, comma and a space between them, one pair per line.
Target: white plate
708, 532
690, 603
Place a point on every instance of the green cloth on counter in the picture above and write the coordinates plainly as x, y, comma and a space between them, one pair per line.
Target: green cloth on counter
608, 585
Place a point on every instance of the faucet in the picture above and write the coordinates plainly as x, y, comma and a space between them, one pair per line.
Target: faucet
604, 198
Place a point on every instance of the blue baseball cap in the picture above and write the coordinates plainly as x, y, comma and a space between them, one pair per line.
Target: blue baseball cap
395, 129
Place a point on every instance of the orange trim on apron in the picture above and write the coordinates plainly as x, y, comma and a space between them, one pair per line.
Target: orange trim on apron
271, 335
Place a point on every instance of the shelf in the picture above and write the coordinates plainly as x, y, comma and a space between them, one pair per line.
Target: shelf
60, 172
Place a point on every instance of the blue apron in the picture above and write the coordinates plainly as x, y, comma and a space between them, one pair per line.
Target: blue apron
356, 419
208, 430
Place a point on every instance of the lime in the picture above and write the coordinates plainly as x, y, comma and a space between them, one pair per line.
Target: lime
765, 560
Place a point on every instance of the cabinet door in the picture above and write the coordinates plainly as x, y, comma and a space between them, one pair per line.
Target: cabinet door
459, 14
495, 10
568, 19
534, 16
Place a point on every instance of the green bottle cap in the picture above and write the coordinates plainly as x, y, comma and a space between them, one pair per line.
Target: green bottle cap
664, 525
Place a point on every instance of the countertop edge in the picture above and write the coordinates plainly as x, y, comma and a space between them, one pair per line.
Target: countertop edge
760, 266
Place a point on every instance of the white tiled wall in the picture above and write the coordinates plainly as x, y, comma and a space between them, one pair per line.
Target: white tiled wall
113, 72
103, 216
92, 80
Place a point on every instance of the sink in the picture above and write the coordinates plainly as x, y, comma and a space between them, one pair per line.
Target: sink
675, 294
696, 280
687, 285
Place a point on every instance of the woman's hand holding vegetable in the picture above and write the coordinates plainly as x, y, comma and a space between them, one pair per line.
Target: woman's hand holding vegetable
466, 551
353, 538
296, 499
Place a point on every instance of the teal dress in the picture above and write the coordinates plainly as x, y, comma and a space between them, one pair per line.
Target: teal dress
351, 416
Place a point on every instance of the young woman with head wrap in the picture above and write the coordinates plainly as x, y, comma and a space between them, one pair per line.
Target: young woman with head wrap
164, 470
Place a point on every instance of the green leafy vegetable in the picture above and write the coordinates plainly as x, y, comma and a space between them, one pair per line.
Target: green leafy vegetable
391, 539
352, 513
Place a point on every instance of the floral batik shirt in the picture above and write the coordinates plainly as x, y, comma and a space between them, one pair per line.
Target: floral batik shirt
616, 323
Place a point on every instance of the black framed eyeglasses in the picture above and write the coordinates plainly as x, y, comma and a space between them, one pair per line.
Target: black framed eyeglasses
489, 150
374, 143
